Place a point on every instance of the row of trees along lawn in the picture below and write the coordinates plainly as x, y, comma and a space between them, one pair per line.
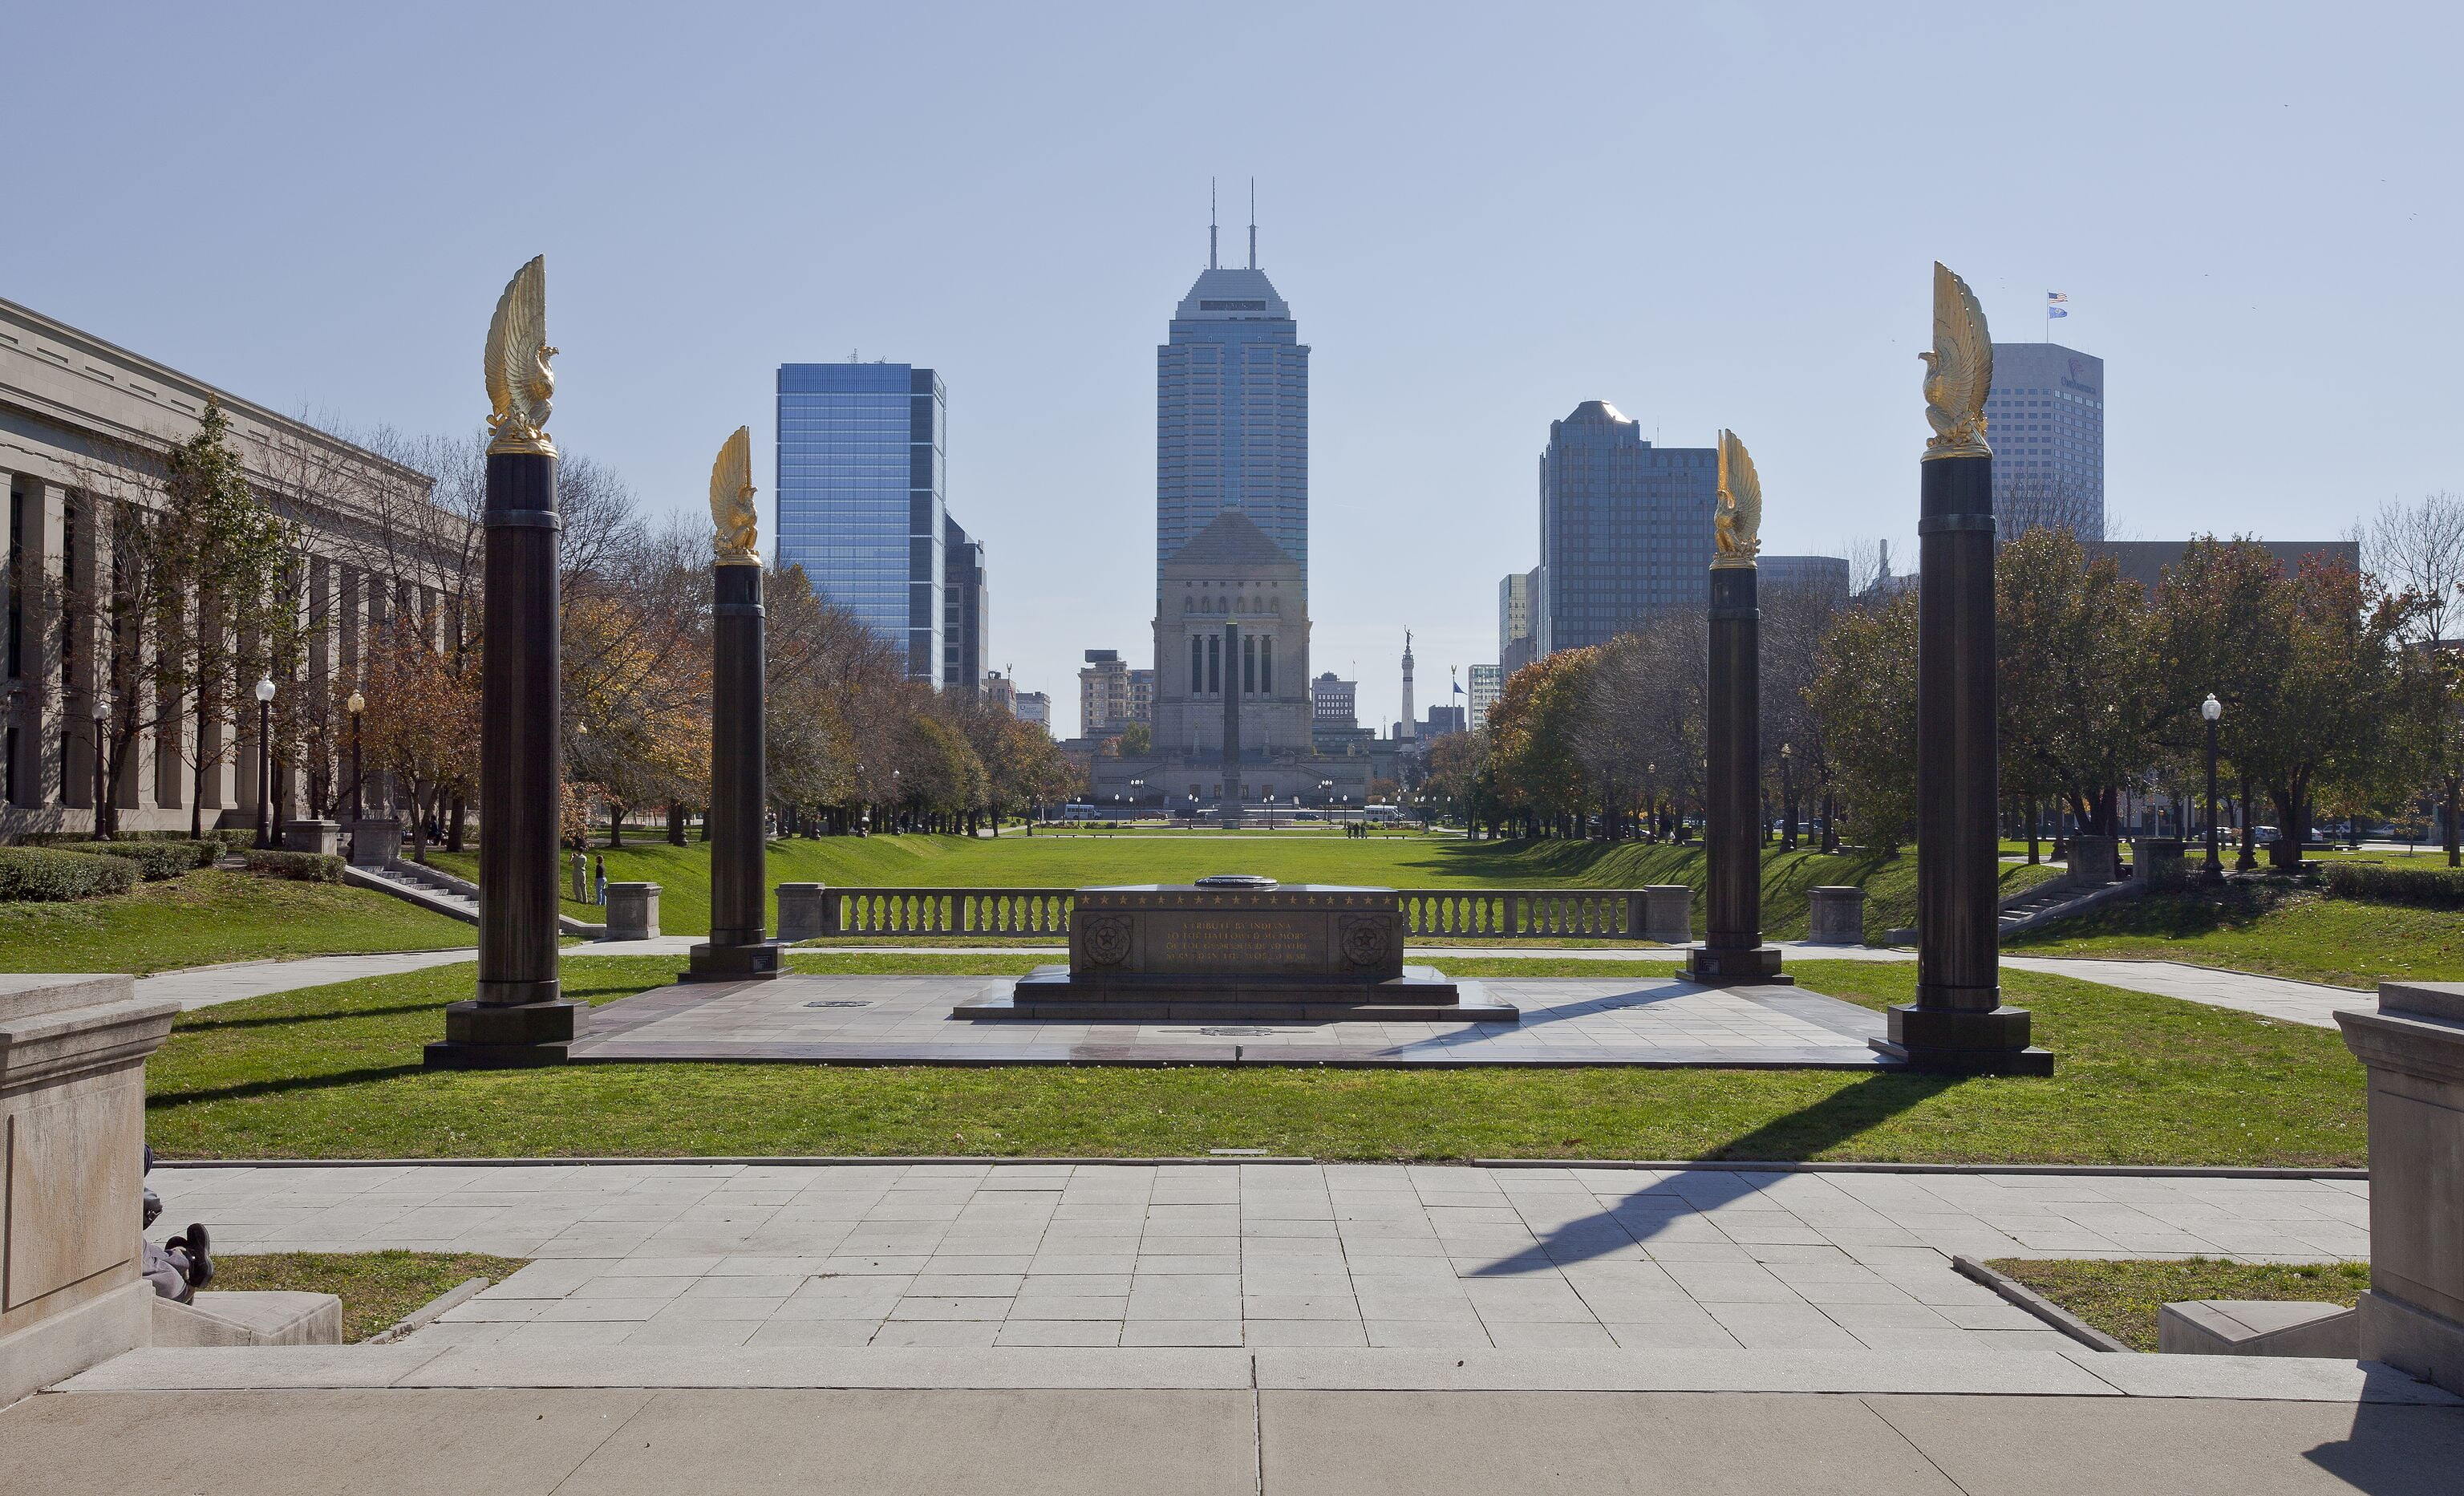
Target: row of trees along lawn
2339, 699
851, 742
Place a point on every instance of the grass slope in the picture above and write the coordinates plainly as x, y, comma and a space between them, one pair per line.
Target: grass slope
214, 914
377, 1288
2121, 1298
2279, 929
1402, 861
335, 1073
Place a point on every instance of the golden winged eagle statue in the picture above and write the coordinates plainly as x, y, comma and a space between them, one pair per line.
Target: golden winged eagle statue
734, 520
1737, 525
1959, 372
519, 381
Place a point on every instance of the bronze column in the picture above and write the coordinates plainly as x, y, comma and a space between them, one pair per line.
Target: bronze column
739, 947
519, 1016
1733, 953
1958, 1024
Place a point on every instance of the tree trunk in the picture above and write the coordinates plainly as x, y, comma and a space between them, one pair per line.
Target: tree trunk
2454, 794
458, 824
2286, 854
675, 823
615, 824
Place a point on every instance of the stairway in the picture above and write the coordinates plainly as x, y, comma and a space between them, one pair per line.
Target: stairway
441, 892
2057, 899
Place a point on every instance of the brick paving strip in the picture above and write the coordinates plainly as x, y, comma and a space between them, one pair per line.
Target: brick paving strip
970, 1257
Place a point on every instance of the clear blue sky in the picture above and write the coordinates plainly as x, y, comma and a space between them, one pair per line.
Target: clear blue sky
1709, 215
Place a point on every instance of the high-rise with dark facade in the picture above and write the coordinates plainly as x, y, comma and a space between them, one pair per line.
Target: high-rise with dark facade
1232, 411
2045, 418
862, 497
1625, 528
967, 598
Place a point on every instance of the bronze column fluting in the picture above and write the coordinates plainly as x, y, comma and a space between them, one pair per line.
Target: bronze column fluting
1733, 954
1958, 1024
739, 947
519, 1016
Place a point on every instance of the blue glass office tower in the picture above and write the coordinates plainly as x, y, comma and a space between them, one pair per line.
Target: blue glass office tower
1232, 413
1625, 528
862, 497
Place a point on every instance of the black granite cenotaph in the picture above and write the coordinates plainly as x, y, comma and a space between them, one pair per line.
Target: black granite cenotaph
1239, 948
739, 948
1958, 1024
519, 1016
1733, 953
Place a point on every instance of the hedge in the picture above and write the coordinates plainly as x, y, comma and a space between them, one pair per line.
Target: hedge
2430, 888
155, 860
299, 867
39, 873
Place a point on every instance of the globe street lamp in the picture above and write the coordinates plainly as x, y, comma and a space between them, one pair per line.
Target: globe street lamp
357, 705
1787, 795
264, 762
2214, 711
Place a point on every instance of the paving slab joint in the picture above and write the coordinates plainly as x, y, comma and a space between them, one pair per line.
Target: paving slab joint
2020, 1295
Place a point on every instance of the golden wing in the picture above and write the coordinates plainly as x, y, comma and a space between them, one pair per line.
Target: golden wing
516, 336
734, 520
1959, 371
1738, 531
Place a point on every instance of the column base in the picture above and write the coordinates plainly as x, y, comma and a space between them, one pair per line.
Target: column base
493, 1036
760, 961
1741, 966
1963, 1041
2412, 1339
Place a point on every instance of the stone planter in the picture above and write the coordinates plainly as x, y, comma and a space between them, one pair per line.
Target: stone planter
1668, 914
322, 837
2096, 860
1836, 915
632, 911
2156, 860
2412, 1315
375, 842
803, 912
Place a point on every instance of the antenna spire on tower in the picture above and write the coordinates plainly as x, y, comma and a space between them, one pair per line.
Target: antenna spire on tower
1253, 223
1210, 222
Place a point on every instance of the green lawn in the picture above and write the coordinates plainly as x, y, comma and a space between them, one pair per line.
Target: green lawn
1404, 861
334, 1073
2277, 929
377, 1288
214, 914
2121, 1298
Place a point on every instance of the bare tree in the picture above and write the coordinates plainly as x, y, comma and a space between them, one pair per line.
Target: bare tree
2419, 549
2047, 500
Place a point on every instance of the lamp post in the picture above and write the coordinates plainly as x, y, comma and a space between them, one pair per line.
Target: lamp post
2212, 711
357, 705
1787, 795
264, 762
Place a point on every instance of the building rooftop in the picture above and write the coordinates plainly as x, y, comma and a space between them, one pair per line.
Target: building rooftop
1227, 295
1231, 539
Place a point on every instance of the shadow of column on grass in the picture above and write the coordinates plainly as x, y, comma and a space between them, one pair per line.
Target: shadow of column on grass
244, 1090
1650, 1211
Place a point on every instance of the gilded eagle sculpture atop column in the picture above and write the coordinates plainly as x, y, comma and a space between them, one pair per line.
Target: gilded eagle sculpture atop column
1737, 525
519, 381
736, 532
1959, 372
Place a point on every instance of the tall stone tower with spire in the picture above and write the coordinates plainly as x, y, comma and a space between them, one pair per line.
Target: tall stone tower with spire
1232, 411
1403, 732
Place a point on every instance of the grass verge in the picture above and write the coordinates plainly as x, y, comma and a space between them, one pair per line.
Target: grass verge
377, 1288
2121, 1298
335, 1073
2275, 927
211, 915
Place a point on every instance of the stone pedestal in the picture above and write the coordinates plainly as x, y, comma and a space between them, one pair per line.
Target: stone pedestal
632, 911
1297, 953
1732, 951
803, 912
1958, 1024
2157, 860
739, 947
2095, 859
1668, 914
1836, 916
322, 837
72, 1053
2412, 1315
519, 1016
375, 842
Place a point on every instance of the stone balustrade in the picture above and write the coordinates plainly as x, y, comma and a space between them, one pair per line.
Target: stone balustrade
812, 910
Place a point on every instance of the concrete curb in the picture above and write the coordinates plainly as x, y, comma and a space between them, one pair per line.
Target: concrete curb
2052, 1314
459, 1294
1702, 1165
2126, 1170
755, 1160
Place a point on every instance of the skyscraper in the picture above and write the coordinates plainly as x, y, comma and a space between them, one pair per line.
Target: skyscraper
1232, 411
862, 497
1625, 528
2045, 418
966, 601
1515, 619
1487, 684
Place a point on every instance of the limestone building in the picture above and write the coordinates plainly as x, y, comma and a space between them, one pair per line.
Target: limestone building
84, 427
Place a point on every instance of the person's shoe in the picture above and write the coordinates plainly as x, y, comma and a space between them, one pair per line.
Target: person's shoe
201, 1256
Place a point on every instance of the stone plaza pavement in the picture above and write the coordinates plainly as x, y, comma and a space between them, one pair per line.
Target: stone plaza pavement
1255, 1255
